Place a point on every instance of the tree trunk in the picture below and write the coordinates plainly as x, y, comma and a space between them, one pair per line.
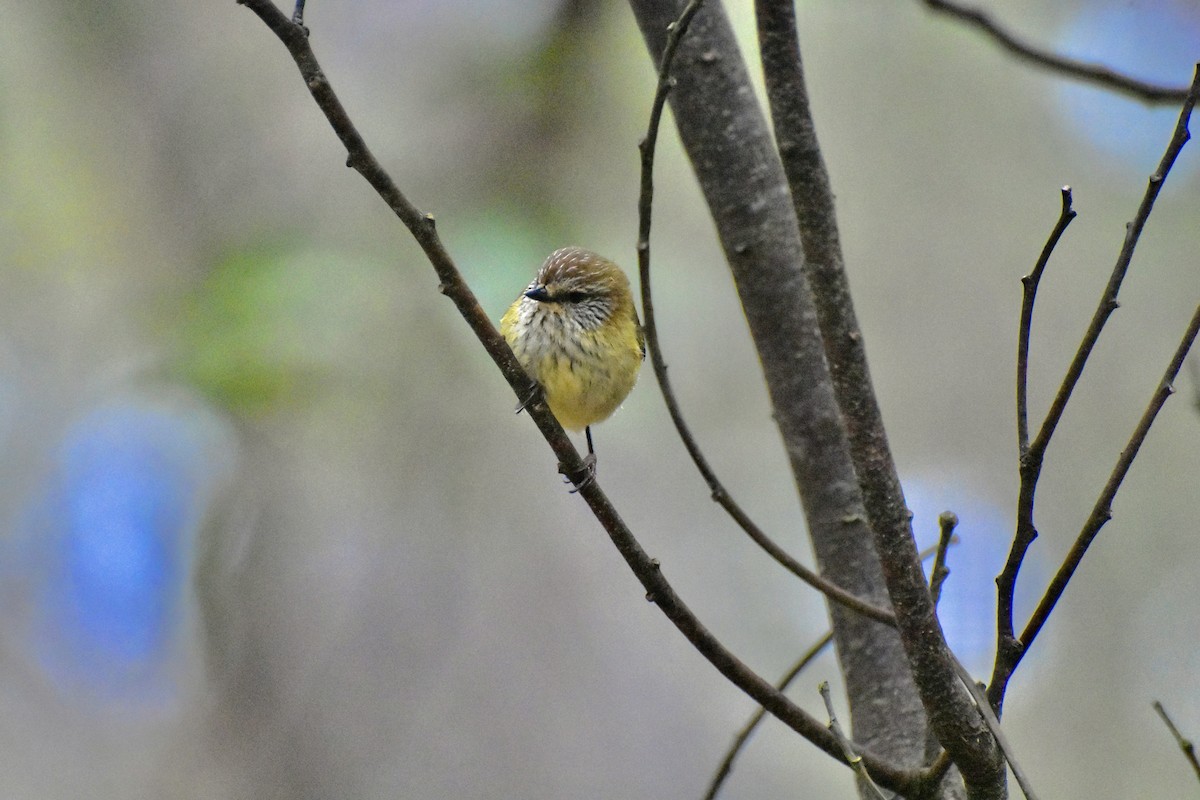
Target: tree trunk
731, 150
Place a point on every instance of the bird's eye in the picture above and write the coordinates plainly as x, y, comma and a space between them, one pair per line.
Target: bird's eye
575, 297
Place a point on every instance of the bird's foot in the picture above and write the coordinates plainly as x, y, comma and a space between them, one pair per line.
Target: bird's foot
535, 395
582, 477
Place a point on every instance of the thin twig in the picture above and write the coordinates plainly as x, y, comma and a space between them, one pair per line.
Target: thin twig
947, 522
1108, 301
645, 568
1010, 650
847, 748
719, 494
993, 724
1102, 510
1097, 74
1030, 461
1189, 750
743, 736
1029, 286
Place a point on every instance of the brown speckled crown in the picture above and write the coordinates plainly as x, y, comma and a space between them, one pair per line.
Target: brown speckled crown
573, 268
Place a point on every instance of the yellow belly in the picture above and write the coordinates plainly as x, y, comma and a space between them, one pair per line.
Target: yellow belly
585, 377
582, 391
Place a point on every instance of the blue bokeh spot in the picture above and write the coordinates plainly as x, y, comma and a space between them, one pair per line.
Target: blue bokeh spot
1154, 41
968, 607
114, 535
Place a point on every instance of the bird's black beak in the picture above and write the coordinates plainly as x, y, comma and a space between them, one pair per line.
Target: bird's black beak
538, 293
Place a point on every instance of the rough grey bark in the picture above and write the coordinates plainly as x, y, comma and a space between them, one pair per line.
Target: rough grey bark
951, 712
729, 144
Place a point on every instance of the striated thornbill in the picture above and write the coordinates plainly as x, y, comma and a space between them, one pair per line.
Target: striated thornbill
576, 332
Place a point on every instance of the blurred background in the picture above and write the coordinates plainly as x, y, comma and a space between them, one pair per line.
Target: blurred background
271, 530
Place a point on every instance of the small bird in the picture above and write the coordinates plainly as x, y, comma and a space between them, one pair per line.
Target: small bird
576, 332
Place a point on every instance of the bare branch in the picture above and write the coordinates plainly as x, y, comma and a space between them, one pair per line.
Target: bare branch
1102, 511
989, 717
1010, 650
930, 777
719, 494
1189, 750
736, 162
1029, 286
1097, 74
847, 747
1108, 301
947, 521
743, 736
1030, 462
948, 706
646, 569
